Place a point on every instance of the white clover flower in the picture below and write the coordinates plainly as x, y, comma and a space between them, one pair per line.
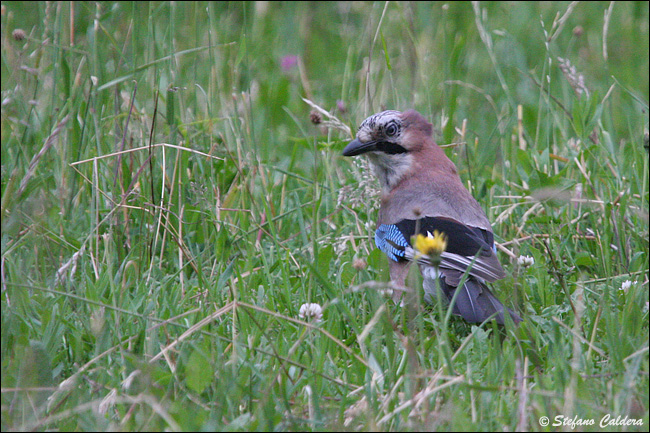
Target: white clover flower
626, 285
525, 261
311, 312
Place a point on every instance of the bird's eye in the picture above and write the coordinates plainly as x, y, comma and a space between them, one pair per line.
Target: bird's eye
391, 129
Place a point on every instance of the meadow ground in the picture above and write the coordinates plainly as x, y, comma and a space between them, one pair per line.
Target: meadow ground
173, 192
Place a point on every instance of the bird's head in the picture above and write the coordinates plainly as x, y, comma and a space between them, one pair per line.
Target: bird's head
391, 139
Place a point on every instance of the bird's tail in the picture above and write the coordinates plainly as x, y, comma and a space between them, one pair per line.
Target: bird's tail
475, 302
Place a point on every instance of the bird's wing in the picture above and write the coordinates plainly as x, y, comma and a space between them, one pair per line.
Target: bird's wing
466, 246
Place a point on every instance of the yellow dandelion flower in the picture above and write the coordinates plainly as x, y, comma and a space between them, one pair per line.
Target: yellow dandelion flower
431, 245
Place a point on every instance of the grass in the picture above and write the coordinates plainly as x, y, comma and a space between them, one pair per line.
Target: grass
168, 206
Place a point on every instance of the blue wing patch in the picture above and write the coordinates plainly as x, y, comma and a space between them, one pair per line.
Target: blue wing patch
391, 241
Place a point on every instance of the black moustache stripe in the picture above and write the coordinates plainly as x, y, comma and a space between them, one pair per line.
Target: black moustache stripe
390, 148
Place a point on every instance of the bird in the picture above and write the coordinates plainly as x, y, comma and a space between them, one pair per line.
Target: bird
422, 194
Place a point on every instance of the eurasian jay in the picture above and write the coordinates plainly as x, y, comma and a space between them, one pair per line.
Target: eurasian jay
422, 193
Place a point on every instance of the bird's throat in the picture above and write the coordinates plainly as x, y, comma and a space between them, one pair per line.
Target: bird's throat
390, 169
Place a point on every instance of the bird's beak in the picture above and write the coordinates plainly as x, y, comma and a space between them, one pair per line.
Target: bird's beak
357, 147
